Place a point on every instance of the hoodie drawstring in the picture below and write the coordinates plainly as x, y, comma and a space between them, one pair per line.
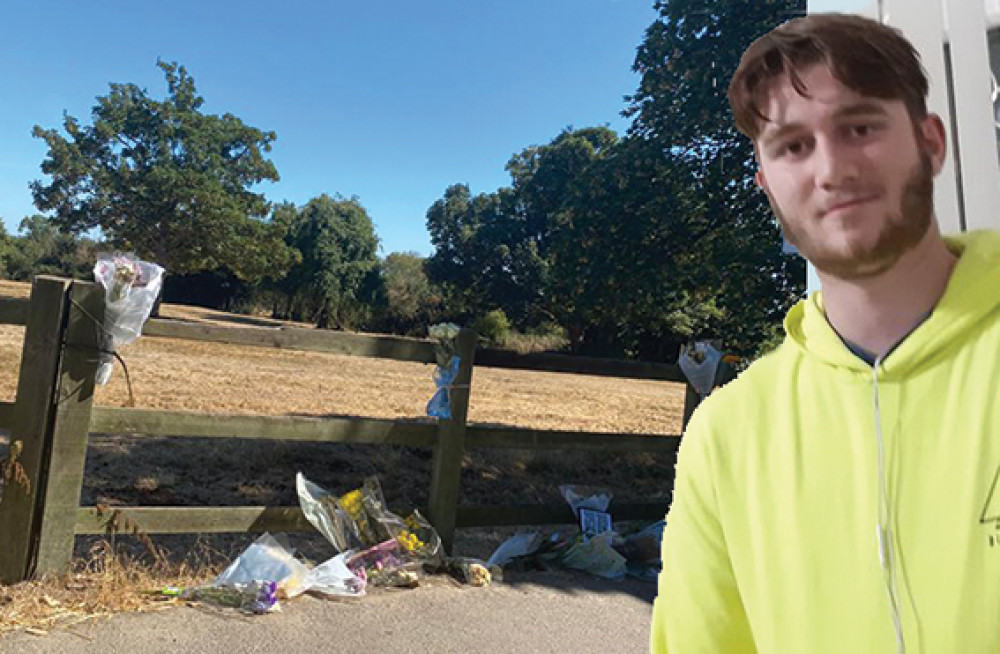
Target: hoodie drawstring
884, 527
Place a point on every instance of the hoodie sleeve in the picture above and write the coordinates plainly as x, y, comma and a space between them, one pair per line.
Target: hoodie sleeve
698, 607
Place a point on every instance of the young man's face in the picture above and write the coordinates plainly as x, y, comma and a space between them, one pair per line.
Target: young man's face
849, 177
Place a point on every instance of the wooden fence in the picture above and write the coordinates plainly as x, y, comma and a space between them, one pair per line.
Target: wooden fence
52, 417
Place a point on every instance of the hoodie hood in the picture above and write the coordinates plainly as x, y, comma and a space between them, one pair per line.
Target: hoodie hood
972, 293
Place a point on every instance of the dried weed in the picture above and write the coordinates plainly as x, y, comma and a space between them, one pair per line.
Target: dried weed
101, 584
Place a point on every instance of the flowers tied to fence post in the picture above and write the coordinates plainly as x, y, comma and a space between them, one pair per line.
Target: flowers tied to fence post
445, 336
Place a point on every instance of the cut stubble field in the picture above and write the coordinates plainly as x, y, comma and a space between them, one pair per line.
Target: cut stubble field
207, 377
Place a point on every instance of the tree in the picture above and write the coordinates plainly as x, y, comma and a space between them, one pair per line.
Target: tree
336, 279
6, 251
411, 301
493, 250
165, 180
682, 119
626, 277
467, 258
40, 248
638, 244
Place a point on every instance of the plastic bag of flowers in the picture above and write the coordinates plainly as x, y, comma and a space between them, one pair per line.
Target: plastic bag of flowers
332, 517
267, 559
359, 520
474, 572
418, 540
257, 597
385, 565
334, 577
131, 287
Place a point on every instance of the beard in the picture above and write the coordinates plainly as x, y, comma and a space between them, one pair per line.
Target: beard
901, 231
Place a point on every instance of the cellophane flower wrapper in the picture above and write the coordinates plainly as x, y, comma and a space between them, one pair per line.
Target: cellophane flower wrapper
377, 540
418, 540
266, 560
699, 362
334, 577
384, 564
131, 287
585, 497
474, 572
327, 513
257, 597
445, 337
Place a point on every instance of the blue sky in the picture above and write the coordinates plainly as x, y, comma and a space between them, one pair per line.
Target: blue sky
389, 101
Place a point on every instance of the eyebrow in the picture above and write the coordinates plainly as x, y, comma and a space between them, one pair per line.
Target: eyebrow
864, 108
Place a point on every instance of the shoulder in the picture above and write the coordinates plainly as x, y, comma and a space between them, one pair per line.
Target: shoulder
753, 386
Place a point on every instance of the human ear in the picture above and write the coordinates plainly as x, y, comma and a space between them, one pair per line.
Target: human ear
932, 134
761, 180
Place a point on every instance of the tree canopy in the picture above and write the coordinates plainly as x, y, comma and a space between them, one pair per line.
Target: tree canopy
40, 248
165, 180
335, 280
626, 245
682, 116
635, 244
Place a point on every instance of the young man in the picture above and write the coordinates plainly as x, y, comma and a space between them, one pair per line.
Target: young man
841, 495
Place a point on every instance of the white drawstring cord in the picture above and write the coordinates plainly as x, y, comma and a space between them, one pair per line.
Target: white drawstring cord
884, 527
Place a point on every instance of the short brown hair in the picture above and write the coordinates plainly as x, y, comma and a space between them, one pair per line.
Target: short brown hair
864, 55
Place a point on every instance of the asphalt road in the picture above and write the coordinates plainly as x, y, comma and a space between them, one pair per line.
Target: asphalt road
530, 612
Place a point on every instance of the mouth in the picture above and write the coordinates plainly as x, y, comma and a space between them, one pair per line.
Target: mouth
850, 203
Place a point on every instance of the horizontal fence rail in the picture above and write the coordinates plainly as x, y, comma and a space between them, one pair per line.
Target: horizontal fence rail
13, 311
6, 415
258, 519
297, 338
107, 420
155, 422
552, 362
185, 520
514, 438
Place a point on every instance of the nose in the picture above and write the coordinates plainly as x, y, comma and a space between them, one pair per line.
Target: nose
835, 164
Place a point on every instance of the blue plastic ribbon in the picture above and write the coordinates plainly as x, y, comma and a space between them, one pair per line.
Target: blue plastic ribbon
439, 405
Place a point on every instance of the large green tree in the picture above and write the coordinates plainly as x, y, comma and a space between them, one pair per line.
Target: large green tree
468, 257
638, 244
683, 122
336, 279
493, 250
627, 278
411, 302
165, 180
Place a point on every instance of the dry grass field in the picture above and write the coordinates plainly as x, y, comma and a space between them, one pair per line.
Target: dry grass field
193, 376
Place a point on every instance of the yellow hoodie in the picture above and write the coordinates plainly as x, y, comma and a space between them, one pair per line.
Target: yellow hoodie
773, 539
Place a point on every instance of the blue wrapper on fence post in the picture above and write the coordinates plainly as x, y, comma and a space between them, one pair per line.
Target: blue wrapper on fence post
439, 405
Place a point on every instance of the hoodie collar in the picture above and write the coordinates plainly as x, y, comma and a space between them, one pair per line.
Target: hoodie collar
972, 293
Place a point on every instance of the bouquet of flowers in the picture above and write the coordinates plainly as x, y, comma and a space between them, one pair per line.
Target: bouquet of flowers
360, 520
131, 287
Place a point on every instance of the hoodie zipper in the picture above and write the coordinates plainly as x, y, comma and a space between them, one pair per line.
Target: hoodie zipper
884, 525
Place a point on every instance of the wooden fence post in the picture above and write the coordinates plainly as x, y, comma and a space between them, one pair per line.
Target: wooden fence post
64, 477
33, 410
691, 401
446, 468
52, 418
